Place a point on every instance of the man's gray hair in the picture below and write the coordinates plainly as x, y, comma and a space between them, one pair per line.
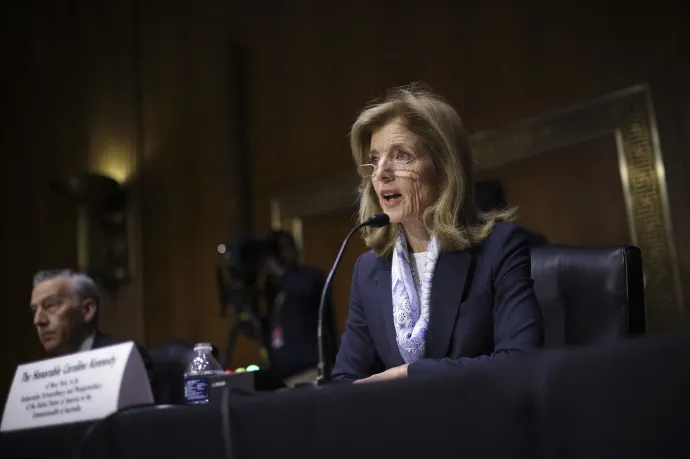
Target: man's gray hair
82, 286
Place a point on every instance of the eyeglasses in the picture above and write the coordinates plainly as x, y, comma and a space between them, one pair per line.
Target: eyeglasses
367, 170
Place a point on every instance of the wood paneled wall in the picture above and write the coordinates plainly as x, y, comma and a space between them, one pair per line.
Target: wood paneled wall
572, 195
149, 84
496, 62
191, 169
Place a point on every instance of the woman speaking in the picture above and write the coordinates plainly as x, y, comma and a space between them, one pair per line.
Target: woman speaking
444, 285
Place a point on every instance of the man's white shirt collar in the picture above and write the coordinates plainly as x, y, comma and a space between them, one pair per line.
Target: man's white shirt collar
87, 344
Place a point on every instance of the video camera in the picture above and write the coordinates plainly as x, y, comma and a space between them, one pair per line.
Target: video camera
246, 256
244, 259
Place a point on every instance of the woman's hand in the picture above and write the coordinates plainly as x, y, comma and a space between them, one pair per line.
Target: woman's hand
388, 375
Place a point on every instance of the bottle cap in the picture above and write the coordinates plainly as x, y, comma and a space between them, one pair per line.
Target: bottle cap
203, 347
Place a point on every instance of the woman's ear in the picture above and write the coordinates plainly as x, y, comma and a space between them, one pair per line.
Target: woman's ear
88, 310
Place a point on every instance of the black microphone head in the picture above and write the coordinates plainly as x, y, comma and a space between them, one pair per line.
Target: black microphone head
378, 220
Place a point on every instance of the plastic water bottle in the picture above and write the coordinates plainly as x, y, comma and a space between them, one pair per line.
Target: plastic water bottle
201, 366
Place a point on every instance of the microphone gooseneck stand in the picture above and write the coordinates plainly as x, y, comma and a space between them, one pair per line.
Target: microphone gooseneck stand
375, 221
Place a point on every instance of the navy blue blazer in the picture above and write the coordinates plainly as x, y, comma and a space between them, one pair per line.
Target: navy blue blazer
483, 307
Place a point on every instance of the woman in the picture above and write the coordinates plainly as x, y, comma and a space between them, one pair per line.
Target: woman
444, 285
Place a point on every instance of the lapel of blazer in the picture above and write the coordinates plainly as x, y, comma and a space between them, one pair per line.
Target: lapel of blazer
384, 296
446, 294
97, 339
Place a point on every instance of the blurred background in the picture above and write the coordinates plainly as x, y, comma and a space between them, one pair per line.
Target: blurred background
140, 135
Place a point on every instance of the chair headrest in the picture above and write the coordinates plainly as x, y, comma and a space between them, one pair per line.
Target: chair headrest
172, 352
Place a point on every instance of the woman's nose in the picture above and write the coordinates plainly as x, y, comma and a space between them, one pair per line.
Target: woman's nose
382, 172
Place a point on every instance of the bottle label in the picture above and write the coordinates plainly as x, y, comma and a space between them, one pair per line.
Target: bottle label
196, 389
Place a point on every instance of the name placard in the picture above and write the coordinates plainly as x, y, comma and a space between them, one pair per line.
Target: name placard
76, 387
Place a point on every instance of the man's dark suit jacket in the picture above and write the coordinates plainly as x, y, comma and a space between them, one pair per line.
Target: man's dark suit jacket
103, 340
483, 307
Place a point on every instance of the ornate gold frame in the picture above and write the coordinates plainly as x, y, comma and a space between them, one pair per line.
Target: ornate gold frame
628, 115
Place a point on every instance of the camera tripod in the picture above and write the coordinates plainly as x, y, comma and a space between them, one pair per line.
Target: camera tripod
245, 320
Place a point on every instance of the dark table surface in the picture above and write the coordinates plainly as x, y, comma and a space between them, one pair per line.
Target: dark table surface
628, 400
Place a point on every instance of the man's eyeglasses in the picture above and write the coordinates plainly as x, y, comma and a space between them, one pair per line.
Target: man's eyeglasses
367, 170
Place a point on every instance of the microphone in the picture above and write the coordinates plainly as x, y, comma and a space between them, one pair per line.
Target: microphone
375, 221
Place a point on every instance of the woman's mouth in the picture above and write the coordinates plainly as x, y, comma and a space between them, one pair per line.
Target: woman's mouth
391, 199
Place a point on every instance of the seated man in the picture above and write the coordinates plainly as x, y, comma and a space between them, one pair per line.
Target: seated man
65, 306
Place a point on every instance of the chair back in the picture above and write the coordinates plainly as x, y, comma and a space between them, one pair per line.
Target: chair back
589, 295
170, 360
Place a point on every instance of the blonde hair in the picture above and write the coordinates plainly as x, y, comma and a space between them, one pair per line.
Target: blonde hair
453, 217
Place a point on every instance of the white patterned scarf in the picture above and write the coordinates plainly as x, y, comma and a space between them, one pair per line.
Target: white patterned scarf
411, 312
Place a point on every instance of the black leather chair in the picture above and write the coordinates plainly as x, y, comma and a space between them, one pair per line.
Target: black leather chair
589, 295
170, 360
